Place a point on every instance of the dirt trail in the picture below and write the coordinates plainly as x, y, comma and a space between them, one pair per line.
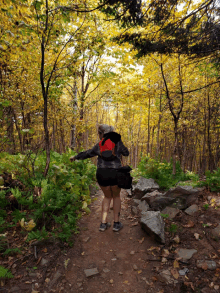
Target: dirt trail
120, 257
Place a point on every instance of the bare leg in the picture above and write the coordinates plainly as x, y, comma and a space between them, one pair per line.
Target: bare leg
116, 202
106, 203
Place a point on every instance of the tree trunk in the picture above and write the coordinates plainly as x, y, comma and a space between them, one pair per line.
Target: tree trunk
148, 127
73, 125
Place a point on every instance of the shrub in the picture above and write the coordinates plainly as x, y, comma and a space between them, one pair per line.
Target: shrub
212, 180
161, 172
61, 197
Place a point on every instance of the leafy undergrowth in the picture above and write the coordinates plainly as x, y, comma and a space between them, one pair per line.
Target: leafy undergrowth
35, 208
161, 172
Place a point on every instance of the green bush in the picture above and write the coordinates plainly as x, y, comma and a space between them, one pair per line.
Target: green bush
161, 172
212, 180
61, 197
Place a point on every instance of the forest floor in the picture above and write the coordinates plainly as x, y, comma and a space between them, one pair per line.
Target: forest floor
124, 261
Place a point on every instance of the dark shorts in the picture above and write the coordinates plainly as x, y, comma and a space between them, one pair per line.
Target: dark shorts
107, 176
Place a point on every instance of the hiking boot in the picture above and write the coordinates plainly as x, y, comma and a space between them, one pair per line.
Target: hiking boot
117, 226
104, 226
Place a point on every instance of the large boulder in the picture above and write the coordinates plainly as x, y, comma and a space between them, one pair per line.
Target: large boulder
171, 212
160, 202
151, 195
181, 191
143, 186
152, 223
143, 206
184, 196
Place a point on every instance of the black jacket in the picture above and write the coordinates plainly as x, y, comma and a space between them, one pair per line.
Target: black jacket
120, 150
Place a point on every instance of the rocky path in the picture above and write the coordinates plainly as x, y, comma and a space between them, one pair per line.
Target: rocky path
128, 260
108, 261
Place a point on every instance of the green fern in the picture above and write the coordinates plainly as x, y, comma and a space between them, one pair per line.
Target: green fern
12, 251
5, 273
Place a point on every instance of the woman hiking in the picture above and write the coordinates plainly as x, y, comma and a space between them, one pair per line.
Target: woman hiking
109, 151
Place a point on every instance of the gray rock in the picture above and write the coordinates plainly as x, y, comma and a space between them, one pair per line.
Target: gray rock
136, 202
192, 209
182, 190
216, 232
153, 223
91, 272
166, 277
129, 193
143, 186
172, 212
160, 202
148, 195
183, 272
184, 195
186, 254
56, 276
209, 264
43, 262
143, 206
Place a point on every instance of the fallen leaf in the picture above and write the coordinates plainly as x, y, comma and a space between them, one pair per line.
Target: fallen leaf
134, 224
165, 252
154, 279
189, 225
27, 225
196, 236
204, 266
189, 284
44, 250
177, 239
141, 241
152, 248
139, 272
126, 282
174, 273
214, 255
83, 253
176, 264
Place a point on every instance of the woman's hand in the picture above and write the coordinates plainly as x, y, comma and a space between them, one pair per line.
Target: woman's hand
72, 159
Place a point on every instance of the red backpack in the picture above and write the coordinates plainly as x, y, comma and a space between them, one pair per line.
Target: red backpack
107, 149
